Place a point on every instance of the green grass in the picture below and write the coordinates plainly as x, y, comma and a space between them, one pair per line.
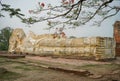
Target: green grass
26, 67
5, 61
100, 68
9, 76
109, 66
23, 68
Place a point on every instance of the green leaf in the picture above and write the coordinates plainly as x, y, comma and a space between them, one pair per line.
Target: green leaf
17, 10
5, 5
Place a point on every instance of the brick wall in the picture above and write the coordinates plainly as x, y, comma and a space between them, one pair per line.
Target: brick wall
117, 37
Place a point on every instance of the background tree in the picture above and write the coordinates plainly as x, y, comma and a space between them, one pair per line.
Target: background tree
5, 34
71, 37
74, 12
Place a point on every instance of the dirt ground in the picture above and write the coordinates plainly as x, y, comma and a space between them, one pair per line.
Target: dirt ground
27, 69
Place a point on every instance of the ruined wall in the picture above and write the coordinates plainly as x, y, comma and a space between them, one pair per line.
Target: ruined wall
95, 47
117, 37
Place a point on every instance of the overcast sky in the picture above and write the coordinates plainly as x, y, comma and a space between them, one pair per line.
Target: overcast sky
105, 30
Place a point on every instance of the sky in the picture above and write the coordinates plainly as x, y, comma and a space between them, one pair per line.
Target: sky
105, 30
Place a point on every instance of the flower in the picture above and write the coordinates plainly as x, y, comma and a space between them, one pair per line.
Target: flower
72, 1
63, 0
66, 2
30, 11
42, 4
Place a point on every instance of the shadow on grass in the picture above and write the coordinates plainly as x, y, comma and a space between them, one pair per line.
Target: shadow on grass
9, 76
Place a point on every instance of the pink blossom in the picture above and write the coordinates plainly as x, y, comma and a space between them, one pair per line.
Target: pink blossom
66, 2
42, 4
30, 11
63, 0
72, 1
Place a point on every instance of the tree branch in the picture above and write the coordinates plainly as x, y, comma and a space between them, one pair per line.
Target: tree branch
109, 16
80, 8
0, 3
104, 4
63, 14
